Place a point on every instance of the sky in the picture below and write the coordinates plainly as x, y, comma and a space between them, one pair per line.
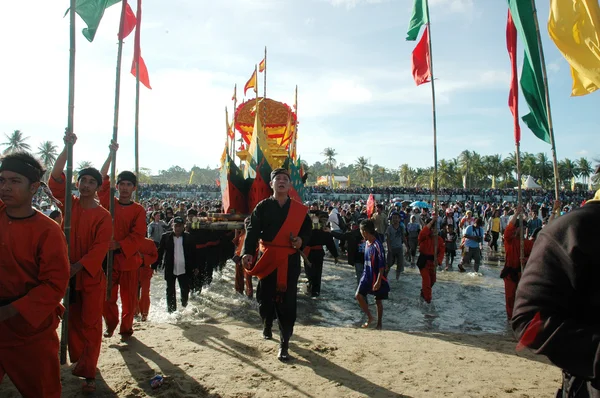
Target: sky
349, 59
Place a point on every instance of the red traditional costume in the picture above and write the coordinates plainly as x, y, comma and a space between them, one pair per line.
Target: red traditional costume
34, 273
149, 256
428, 268
130, 231
91, 231
512, 268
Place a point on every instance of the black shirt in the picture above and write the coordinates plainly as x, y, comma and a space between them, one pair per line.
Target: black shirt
561, 282
266, 221
322, 238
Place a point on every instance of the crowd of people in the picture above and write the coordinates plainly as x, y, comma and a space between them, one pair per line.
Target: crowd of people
175, 238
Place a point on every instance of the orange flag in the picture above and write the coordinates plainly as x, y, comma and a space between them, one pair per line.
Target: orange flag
251, 83
370, 205
263, 65
137, 51
129, 22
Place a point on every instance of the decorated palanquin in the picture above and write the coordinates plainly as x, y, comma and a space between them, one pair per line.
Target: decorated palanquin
267, 130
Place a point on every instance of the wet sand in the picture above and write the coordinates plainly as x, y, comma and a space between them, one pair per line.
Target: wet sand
214, 348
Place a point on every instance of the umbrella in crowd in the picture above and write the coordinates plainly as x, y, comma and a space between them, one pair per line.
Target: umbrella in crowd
420, 204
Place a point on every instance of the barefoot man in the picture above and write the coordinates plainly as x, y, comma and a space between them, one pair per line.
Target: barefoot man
91, 230
128, 236
280, 226
34, 274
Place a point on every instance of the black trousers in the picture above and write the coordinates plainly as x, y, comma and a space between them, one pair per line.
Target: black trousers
184, 286
494, 243
315, 271
284, 310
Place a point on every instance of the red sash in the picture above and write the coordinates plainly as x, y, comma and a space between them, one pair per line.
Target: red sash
275, 253
308, 249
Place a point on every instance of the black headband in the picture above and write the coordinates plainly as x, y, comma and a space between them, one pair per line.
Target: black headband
92, 172
20, 167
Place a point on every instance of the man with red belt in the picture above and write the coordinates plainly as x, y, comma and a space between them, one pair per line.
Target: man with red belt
282, 227
91, 231
129, 232
511, 273
428, 260
34, 274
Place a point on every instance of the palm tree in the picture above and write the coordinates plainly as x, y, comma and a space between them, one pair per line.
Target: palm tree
448, 175
362, 167
543, 168
406, 175
493, 167
16, 142
47, 152
585, 169
425, 177
83, 165
330, 155
465, 160
568, 171
528, 164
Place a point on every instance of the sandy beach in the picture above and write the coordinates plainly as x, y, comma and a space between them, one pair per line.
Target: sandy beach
232, 360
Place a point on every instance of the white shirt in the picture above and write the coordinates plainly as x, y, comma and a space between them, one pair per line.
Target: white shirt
333, 220
179, 257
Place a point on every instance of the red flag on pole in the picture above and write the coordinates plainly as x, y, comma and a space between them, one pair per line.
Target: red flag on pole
420, 60
513, 96
129, 24
370, 205
137, 51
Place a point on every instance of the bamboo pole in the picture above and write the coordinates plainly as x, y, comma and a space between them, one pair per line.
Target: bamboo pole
295, 150
110, 257
64, 333
548, 110
265, 74
137, 117
434, 116
520, 205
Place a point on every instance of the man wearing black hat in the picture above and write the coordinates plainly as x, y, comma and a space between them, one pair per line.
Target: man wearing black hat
34, 275
129, 227
176, 251
280, 227
91, 232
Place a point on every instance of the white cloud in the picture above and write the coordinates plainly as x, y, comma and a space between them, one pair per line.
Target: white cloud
352, 3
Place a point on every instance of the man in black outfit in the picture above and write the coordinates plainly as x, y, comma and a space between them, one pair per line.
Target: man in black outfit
176, 252
557, 306
280, 227
315, 253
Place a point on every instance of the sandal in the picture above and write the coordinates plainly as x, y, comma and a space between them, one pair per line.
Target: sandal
89, 386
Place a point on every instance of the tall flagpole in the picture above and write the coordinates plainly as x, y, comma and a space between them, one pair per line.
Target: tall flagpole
265, 73
64, 333
435, 154
547, 94
520, 205
137, 97
295, 150
110, 258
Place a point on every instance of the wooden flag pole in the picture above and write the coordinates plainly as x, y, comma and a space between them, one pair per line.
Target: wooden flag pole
520, 204
435, 154
137, 117
64, 332
233, 127
110, 257
547, 95
265, 73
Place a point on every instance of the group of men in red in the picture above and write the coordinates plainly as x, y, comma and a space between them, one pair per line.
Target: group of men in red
36, 268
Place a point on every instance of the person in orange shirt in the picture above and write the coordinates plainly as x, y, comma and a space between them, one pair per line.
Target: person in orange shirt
91, 231
428, 261
511, 273
34, 275
149, 255
129, 232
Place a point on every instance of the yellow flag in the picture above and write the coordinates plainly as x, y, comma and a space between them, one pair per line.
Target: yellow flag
191, 178
574, 26
251, 83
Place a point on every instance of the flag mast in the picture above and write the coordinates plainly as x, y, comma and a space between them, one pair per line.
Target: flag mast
435, 154
137, 95
547, 95
295, 151
64, 333
110, 257
234, 112
265, 73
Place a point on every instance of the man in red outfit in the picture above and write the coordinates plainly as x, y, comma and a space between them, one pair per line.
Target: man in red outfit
428, 261
149, 254
34, 274
129, 232
91, 231
511, 273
